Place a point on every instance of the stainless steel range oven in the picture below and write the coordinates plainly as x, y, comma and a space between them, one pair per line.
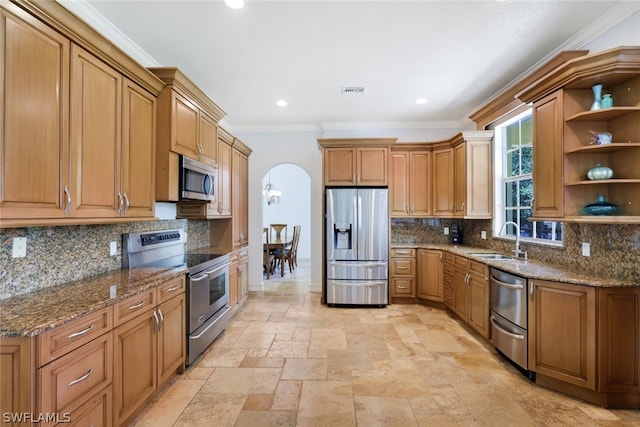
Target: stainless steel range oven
207, 281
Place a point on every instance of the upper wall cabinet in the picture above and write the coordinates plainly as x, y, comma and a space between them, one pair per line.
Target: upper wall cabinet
473, 181
564, 142
355, 162
410, 182
92, 163
187, 125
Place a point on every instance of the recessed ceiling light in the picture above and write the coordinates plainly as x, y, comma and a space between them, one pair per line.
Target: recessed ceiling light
421, 101
234, 4
281, 103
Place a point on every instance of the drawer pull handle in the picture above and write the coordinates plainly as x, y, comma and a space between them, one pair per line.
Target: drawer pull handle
84, 331
403, 268
82, 378
138, 305
503, 331
173, 288
403, 287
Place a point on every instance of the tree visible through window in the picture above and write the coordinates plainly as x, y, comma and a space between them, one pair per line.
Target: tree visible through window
514, 152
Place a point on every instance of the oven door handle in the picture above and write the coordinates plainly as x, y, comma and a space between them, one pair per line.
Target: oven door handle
218, 268
506, 285
195, 337
499, 328
198, 277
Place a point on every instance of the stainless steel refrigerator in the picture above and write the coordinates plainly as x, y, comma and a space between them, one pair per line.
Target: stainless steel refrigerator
357, 246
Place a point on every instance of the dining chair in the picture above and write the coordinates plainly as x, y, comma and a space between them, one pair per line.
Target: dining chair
291, 252
268, 259
278, 229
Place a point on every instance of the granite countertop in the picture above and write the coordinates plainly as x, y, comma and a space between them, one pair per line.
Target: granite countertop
35, 312
530, 269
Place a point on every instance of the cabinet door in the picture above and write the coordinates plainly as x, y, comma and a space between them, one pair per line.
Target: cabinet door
430, 285
547, 156
17, 376
403, 287
399, 184
224, 180
339, 166
208, 140
479, 302
460, 293
371, 166
135, 364
443, 182
561, 328
420, 183
233, 282
185, 117
171, 337
34, 148
243, 278
619, 340
239, 169
138, 151
460, 180
478, 197
96, 112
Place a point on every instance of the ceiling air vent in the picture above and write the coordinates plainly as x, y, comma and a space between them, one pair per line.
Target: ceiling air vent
353, 90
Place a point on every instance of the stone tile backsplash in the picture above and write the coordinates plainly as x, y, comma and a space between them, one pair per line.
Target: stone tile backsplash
615, 248
57, 255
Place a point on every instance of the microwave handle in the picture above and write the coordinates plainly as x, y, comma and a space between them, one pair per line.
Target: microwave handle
207, 184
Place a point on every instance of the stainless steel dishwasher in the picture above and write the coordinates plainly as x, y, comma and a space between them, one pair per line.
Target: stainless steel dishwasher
509, 316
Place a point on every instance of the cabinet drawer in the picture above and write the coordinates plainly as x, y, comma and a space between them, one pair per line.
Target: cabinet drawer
459, 261
63, 339
95, 412
131, 307
79, 373
447, 267
447, 296
402, 287
447, 256
447, 280
171, 289
479, 268
400, 253
403, 267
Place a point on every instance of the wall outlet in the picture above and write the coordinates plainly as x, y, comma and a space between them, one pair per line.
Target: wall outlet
483, 235
113, 248
586, 249
19, 247
446, 231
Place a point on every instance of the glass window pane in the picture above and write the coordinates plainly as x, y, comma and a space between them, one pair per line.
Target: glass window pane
513, 135
526, 227
513, 163
526, 132
510, 215
526, 192
527, 160
510, 194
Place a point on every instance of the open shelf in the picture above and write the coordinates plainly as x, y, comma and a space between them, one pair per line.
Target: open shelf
604, 148
604, 181
602, 115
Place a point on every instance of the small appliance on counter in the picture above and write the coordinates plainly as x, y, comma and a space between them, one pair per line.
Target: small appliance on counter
456, 234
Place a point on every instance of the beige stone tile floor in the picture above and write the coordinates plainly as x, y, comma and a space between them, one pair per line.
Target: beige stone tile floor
287, 360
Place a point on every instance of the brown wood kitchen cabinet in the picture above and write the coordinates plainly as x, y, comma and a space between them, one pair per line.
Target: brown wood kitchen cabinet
562, 332
443, 182
149, 345
563, 143
79, 173
447, 279
238, 279
402, 272
187, 125
429, 274
473, 175
355, 161
410, 182
240, 194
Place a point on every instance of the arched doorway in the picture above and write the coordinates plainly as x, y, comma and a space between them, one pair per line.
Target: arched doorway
294, 206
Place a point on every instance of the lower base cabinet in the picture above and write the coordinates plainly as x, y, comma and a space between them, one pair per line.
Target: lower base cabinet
429, 275
238, 278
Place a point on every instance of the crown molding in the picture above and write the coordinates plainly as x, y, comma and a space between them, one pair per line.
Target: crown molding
98, 22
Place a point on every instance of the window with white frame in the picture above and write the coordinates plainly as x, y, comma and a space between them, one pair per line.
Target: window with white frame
514, 184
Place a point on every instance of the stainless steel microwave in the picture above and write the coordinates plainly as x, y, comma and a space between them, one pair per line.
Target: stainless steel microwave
197, 180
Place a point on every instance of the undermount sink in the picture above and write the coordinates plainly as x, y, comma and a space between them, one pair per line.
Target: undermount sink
495, 257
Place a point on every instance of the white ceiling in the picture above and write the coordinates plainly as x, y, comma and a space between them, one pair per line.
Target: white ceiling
457, 54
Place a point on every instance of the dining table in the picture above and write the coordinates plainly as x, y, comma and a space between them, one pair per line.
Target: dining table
282, 245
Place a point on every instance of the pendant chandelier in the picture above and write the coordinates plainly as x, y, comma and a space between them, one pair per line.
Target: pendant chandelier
272, 195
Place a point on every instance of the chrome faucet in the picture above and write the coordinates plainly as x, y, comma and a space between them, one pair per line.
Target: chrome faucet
517, 252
